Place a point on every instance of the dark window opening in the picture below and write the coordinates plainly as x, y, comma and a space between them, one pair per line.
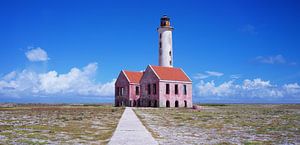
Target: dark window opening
159, 44
121, 91
176, 89
149, 89
176, 103
167, 103
154, 89
184, 89
167, 88
155, 103
160, 36
170, 53
185, 103
137, 90
170, 62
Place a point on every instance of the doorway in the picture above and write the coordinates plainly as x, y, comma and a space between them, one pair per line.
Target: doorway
155, 103
167, 103
176, 103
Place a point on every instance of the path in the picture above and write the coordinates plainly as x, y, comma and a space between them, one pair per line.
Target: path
131, 131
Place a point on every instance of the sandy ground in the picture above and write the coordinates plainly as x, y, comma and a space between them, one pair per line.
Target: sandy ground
229, 124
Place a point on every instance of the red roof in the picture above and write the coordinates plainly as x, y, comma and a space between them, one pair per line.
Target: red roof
133, 77
170, 73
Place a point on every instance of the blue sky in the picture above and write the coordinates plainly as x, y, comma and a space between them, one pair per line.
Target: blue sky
71, 51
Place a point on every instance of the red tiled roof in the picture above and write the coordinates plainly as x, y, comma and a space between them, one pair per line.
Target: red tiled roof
134, 77
170, 73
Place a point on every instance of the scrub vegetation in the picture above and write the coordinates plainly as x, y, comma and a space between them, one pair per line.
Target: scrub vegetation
224, 124
58, 124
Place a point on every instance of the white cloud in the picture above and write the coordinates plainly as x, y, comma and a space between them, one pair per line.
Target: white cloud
10, 76
208, 74
37, 54
292, 88
75, 82
277, 59
256, 88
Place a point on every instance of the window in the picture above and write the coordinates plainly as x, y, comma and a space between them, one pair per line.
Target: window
149, 89
160, 36
167, 88
121, 91
176, 89
154, 89
137, 90
170, 62
170, 53
160, 51
159, 44
184, 89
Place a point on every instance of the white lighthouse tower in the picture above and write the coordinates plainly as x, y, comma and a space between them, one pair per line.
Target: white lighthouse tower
165, 42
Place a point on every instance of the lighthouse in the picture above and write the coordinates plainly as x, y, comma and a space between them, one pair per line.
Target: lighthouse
156, 86
165, 42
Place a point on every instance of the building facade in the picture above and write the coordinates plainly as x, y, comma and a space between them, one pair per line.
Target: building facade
157, 86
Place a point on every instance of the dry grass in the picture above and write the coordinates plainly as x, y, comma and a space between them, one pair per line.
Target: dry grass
224, 124
58, 124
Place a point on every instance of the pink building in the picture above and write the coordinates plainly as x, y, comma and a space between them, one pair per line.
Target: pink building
157, 86
127, 88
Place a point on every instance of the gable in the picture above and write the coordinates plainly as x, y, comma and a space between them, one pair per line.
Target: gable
149, 75
121, 79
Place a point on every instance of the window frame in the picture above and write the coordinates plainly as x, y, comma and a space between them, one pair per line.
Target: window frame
184, 89
137, 90
176, 91
149, 89
154, 88
167, 88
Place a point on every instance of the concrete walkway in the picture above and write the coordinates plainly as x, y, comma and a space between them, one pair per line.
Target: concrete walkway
131, 131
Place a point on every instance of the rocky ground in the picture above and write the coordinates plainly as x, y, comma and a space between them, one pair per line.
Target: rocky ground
224, 124
58, 124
